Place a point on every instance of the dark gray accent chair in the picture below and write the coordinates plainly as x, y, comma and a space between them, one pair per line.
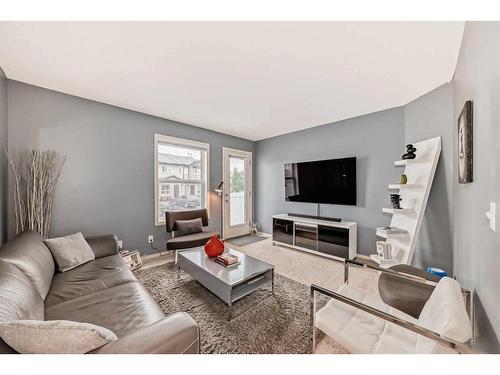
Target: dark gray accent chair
189, 240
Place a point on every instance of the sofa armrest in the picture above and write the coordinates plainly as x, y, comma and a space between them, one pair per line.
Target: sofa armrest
103, 245
176, 334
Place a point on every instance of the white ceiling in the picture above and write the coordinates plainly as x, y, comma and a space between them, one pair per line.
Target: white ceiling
249, 79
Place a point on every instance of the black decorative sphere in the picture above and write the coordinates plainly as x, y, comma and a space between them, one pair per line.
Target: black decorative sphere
409, 156
410, 152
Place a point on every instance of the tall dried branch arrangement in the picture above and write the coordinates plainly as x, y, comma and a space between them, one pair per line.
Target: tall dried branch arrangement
34, 176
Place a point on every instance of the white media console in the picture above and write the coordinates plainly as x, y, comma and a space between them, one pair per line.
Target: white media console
332, 239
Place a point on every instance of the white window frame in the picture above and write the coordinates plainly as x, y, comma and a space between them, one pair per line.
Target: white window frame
187, 143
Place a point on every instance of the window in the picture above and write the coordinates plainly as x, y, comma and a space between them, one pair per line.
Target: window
165, 190
181, 175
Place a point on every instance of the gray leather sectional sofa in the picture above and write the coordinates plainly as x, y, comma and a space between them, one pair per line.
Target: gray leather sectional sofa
102, 292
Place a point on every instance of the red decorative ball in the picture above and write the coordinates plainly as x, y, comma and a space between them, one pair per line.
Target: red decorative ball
214, 247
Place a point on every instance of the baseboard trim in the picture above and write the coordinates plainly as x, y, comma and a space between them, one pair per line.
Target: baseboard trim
161, 253
264, 234
152, 256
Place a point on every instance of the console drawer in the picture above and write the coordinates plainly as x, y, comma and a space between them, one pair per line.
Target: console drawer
333, 241
306, 236
283, 231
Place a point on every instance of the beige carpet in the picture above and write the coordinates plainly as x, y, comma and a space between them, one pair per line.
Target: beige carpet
308, 269
262, 322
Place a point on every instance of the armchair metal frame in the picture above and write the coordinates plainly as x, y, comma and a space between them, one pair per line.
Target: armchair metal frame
449, 343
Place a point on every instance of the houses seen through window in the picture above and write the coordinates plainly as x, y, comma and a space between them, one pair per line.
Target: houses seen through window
181, 175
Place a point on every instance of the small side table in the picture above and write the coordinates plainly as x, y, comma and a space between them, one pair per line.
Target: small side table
132, 258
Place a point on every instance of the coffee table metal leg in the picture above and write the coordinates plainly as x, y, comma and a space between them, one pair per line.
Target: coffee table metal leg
229, 310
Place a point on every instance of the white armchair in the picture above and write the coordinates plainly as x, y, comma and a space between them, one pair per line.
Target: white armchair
363, 323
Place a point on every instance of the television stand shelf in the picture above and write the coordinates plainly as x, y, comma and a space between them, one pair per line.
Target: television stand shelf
393, 232
398, 210
403, 186
331, 239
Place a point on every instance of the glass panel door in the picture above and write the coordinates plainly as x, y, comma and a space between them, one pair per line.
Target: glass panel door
237, 192
237, 215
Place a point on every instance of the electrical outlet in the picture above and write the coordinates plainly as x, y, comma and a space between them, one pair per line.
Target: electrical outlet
150, 238
120, 244
491, 215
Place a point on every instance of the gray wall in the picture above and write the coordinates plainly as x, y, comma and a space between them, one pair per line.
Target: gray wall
3, 161
376, 140
427, 117
476, 247
107, 182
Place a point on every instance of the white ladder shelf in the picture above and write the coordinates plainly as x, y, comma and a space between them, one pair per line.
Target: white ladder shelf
406, 222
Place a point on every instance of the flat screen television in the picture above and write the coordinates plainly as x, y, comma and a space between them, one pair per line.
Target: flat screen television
324, 181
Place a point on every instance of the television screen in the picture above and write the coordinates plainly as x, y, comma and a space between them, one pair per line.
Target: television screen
324, 181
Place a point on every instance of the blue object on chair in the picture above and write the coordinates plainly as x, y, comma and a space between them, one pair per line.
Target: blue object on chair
437, 271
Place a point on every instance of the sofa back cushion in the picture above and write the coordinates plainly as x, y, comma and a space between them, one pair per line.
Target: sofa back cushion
18, 297
28, 253
172, 216
70, 251
444, 313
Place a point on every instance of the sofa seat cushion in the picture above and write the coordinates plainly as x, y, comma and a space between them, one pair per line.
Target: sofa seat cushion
361, 332
123, 309
88, 278
190, 240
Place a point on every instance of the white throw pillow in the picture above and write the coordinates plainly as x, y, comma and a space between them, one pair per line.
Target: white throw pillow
70, 251
54, 336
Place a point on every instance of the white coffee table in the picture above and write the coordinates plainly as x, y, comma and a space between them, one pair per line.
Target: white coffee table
229, 284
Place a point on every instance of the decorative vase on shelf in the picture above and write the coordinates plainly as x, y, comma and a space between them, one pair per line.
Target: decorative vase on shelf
395, 199
214, 247
403, 179
410, 152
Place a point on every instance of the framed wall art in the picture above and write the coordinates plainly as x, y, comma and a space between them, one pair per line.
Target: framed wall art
465, 144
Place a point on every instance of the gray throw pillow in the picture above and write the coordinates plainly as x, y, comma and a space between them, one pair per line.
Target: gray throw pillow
70, 251
54, 336
188, 226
